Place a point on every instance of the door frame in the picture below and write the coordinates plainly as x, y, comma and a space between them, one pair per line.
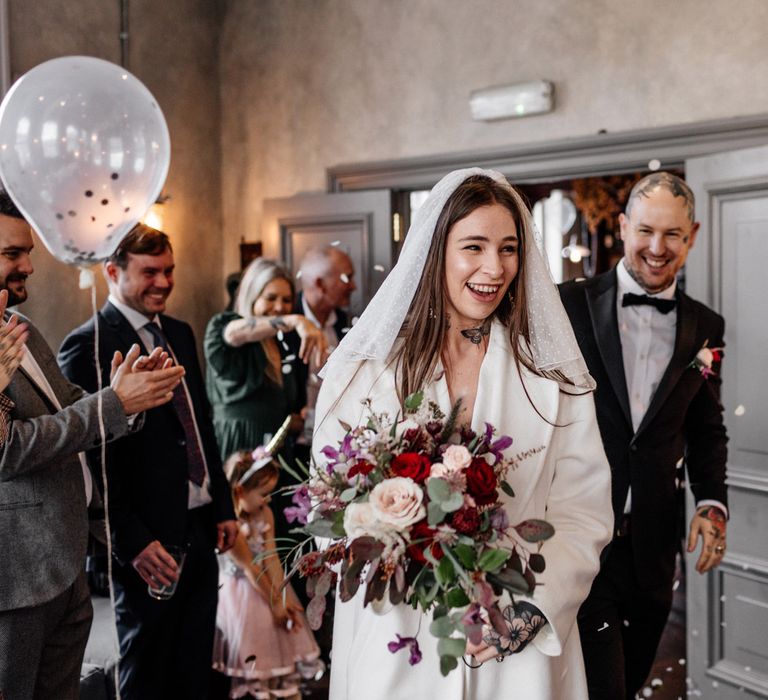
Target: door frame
600, 154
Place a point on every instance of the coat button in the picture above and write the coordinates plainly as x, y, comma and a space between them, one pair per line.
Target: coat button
633, 448
181, 442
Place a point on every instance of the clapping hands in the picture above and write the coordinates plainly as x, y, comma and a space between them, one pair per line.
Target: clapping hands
145, 382
13, 336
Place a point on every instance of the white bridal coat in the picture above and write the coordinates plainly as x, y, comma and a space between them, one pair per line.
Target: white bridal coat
568, 484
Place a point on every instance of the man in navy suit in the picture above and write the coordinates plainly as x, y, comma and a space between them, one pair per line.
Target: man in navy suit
650, 349
166, 485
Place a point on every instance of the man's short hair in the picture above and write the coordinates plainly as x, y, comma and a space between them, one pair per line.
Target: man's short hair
667, 181
7, 207
141, 240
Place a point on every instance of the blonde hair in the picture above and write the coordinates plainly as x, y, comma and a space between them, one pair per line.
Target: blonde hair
256, 277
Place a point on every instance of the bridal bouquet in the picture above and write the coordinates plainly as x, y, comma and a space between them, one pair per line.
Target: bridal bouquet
413, 510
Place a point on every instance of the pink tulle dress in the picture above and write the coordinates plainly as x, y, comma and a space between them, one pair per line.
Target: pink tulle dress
264, 661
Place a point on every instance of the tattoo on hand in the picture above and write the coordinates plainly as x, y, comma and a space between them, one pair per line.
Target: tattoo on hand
523, 623
716, 518
278, 323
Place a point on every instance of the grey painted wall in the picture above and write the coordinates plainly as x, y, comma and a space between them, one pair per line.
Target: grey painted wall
174, 51
308, 84
262, 96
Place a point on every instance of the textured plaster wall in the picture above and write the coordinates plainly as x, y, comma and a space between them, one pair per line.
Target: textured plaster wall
308, 84
174, 51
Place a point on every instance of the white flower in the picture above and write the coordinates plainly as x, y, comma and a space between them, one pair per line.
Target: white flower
457, 457
438, 470
705, 357
360, 520
397, 502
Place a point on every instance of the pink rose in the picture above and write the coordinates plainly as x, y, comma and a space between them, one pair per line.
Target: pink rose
457, 457
397, 502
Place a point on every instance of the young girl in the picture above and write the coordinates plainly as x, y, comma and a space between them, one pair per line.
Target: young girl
262, 639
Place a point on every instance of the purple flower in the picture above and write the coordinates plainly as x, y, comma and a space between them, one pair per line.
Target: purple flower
413, 648
499, 520
299, 512
498, 446
473, 623
344, 454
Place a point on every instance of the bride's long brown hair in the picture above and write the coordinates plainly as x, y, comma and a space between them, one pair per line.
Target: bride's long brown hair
426, 324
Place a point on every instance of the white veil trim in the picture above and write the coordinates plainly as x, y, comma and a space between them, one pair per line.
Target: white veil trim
554, 350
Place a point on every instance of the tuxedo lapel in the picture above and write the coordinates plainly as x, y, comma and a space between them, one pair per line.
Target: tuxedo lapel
685, 349
601, 299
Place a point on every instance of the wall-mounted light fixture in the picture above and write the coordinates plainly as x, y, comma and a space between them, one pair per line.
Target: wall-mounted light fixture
154, 216
518, 100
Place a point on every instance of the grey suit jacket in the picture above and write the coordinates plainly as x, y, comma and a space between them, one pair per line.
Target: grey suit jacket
43, 514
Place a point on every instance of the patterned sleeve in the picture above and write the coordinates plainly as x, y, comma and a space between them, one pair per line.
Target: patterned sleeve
6, 405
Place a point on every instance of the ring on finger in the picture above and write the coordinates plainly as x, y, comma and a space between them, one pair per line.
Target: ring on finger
719, 549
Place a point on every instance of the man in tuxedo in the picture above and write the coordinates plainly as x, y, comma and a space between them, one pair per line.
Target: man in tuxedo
45, 486
166, 485
649, 347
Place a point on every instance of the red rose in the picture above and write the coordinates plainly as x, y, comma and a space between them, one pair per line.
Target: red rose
360, 467
412, 465
466, 520
481, 482
421, 536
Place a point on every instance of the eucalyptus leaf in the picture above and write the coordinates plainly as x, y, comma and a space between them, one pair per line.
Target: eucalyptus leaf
447, 664
438, 489
511, 580
536, 563
506, 488
435, 513
442, 627
319, 527
348, 495
454, 501
535, 530
451, 646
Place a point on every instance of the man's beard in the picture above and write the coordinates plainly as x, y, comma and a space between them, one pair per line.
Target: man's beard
13, 297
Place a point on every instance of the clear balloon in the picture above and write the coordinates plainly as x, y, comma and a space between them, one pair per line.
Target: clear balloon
84, 152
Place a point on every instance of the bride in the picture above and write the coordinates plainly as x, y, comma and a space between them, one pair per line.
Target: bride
469, 312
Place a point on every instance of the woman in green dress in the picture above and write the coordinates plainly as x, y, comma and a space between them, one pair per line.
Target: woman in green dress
252, 356
254, 373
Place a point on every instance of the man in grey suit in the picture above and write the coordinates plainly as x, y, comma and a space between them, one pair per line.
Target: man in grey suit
45, 608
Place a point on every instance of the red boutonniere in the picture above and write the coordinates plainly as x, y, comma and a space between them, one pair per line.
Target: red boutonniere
704, 360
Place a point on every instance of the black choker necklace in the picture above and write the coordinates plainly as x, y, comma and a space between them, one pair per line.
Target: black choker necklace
475, 335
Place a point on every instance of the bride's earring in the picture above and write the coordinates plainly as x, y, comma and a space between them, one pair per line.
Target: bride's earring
431, 312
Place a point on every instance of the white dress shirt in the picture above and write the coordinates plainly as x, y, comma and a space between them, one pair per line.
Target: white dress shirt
647, 345
30, 366
198, 495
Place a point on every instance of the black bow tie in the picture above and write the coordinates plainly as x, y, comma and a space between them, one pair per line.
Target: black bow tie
663, 305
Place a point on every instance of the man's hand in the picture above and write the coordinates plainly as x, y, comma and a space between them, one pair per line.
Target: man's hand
709, 523
156, 566
227, 534
143, 389
13, 336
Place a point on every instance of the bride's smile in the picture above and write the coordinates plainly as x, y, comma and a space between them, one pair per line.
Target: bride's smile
481, 260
